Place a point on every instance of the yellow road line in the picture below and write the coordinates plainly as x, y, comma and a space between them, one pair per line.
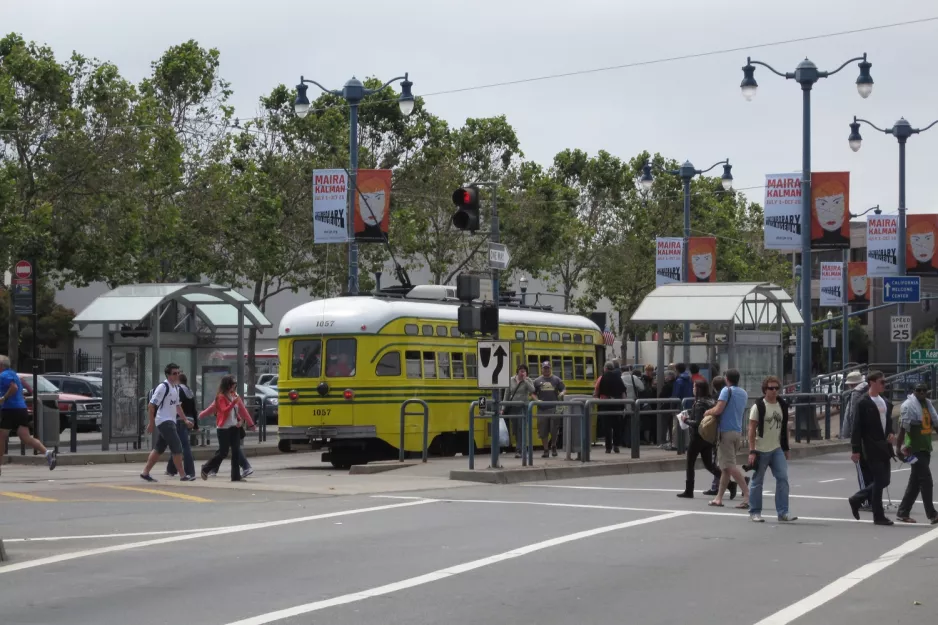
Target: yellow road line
165, 493
26, 497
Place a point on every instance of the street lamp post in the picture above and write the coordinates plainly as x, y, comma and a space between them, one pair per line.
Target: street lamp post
353, 93
901, 130
830, 340
524, 288
686, 173
806, 74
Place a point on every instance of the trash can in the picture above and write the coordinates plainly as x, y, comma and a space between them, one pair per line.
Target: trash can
573, 424
50, 421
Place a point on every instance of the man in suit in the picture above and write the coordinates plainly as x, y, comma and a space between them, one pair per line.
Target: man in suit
873, 439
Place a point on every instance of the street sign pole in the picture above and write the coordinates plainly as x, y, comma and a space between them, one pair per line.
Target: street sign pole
494, 237
37, 410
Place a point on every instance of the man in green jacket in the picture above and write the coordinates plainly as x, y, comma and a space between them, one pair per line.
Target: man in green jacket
916, 424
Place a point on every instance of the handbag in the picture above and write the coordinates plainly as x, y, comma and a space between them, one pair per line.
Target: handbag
710, 425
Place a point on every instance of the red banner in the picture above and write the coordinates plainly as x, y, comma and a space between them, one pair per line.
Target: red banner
702, 259
830, 210
858, 283
921, 233
372, 205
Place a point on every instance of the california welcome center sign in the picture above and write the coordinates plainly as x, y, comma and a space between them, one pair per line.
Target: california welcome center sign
882, 245
782, 212
330, 206
668, 260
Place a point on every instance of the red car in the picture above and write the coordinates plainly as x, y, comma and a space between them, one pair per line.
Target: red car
87, 409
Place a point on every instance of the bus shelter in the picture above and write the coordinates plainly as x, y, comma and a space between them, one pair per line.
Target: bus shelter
740, 325
144, 327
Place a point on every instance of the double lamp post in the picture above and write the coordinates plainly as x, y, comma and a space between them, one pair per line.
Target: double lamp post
353, 93
806, 74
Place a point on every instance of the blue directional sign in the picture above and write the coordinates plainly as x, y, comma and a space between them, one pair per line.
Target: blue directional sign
902, 290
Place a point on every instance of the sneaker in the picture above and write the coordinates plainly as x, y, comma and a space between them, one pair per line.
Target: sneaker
204, 474
787, 518
187, 478
147, 478
615, 450
756, 518
710, 493
905, 519
213, 474
51, 459
933, 520
517, 454
546, 454
553, 452
247, 472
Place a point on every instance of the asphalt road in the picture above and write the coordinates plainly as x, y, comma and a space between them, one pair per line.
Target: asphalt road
282, 549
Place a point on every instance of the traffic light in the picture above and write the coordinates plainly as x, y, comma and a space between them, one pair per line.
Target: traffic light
466, 216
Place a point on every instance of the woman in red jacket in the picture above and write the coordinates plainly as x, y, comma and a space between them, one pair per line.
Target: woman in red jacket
230, 414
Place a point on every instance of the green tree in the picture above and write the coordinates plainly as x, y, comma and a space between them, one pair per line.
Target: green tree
54, 324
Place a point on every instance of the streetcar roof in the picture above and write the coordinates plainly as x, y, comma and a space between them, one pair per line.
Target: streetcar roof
367, 315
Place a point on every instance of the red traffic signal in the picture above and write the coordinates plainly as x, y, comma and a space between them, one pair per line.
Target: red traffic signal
466, 216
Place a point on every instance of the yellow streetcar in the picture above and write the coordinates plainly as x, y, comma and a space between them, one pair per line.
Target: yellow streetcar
347, 363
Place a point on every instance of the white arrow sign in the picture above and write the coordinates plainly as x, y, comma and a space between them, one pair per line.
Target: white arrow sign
498, 256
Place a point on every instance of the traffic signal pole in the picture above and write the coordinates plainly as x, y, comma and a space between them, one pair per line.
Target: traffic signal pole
495, 237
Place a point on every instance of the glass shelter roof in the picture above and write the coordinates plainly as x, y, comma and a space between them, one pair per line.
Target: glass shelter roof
717, 302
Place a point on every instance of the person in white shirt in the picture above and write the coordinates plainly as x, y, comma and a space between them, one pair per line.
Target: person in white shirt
163, 410
873, 438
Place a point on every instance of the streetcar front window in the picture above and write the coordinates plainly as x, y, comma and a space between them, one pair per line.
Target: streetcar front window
307, 358
340, 358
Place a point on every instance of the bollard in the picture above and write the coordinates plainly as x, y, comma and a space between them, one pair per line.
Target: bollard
73, 424
636, 427
827, 419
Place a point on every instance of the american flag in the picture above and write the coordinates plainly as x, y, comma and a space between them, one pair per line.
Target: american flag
608, 337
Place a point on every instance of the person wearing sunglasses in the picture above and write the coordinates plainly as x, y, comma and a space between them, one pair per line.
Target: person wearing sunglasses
768, 449
872, 439
917, 419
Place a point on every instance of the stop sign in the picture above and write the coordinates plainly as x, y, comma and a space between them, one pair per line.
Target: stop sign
23, 269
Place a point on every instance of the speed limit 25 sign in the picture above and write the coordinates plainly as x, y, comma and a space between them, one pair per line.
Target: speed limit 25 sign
900, 328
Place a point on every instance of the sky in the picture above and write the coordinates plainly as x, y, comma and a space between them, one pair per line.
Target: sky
684, 109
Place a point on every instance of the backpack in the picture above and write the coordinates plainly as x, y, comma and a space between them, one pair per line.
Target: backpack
710, 426
165, 393
634, 383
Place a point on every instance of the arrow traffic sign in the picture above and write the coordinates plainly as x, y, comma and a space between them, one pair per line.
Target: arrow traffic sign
494, 364
498, 256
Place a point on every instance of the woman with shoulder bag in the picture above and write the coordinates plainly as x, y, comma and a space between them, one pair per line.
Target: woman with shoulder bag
520, 388
230, 414
698, 446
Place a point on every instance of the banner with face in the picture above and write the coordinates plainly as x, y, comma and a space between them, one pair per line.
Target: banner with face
830, 210
921, 233
702, 259
858, 283
372, 205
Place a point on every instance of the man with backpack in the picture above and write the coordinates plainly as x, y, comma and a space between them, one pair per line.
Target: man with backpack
768, 449
187, 401
163, 410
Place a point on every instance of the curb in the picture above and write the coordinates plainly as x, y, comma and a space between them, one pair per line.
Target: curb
129, 457
581, 470
370, 469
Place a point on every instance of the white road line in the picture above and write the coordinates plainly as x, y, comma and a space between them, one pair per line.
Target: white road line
126, 535
445, 573
10, 568
738, 515
836, 479
848, 581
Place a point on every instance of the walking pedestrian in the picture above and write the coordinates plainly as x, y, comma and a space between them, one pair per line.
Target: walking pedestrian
768, 449
163, 411
698, 446
520, 388
856, 388
187, 401
610, 386
916, 419
872, 439
695, 375
730, 408
230, 413
548, 387
14, 415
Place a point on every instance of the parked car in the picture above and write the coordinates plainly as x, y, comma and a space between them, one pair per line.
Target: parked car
88, 409
77, 384
270, 398
268, 379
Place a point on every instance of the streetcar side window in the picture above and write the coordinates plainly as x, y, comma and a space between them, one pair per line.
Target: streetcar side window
443, 361
577, 338
413, 363
390, 364
566, 337
441, 330
568, 368
589, 339
340, 358
555, 336
427, 330
471, 365
590, 372
532, 335
555, 363
543, 337
533, 366
429, 365
459, 371
519, 334
411, 329
578, 367
454, 332
307, 358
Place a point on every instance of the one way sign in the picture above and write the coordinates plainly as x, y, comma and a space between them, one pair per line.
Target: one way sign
494, 358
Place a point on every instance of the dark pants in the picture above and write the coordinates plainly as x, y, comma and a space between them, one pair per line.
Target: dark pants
919, 481
613, 424
514, 426
879, 471
864, 476
700, 447
227, 438
188, 464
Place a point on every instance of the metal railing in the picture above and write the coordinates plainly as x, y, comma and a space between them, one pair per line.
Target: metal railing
262, 404
426, 423
581, 415
805, 406
524, 416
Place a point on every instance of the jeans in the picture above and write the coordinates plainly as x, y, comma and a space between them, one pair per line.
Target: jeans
228, 438
919, 481
775, 460
188, 464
